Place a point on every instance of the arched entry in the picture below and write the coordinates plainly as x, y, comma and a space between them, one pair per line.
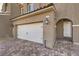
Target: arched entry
64, 29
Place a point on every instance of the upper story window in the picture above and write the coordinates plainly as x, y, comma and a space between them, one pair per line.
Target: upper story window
1, 4
21, 6
30, 7
4, 9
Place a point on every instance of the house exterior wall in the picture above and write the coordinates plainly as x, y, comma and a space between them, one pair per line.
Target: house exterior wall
63, 11
69, 11
5, 24
15, 10
59, 30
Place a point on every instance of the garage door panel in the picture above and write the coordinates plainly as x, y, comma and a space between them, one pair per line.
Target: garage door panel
31, 32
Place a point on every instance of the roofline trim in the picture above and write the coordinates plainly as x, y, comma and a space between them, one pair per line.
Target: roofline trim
34, 13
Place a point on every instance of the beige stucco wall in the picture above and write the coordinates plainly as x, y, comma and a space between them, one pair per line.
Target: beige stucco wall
59, 30
5, 24
15, 10
69, 11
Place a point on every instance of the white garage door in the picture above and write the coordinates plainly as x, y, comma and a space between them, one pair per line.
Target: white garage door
31, 32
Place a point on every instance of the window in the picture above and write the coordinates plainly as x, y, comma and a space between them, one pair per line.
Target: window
1, 4
21, 6
30, 7
4, 8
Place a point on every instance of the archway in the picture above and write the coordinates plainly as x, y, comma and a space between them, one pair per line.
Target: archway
64, 29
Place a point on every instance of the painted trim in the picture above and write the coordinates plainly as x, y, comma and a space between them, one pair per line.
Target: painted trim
29, 23
76, 43
75, 25
5, 14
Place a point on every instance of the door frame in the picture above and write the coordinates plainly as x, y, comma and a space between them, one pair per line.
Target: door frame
63, 20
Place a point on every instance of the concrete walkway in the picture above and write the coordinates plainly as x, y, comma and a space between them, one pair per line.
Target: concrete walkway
17, 47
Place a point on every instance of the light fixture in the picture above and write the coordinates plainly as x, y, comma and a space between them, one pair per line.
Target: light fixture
46, 21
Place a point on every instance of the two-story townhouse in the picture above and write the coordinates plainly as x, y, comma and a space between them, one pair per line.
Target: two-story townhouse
44, 23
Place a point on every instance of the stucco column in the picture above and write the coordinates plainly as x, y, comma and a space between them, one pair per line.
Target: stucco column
15, 31
76, 34
50, 32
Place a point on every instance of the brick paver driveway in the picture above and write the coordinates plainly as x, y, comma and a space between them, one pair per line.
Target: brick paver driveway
17, 47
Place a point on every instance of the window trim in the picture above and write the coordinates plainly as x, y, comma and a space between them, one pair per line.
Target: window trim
30, 7
4, 9
1, 6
